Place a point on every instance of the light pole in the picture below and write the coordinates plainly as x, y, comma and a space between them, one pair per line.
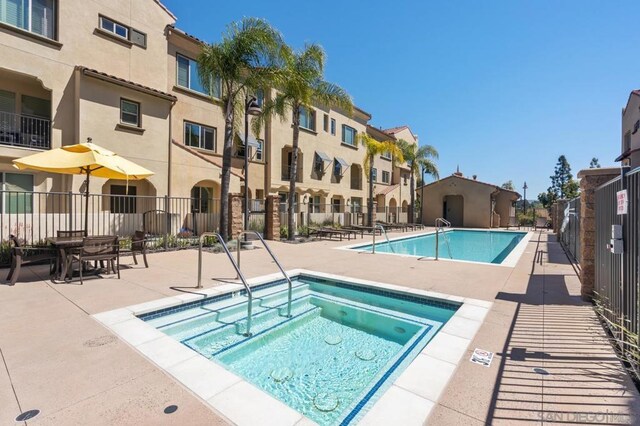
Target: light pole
251, 107
524, 207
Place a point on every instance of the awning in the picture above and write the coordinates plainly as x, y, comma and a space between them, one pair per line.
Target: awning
342, 163
252, 141
324, 157
341, 166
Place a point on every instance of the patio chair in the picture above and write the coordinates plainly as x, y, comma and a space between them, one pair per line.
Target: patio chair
102, 248
139, 245
27, 254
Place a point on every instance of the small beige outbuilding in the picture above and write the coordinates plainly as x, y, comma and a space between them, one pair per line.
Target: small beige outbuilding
467, 202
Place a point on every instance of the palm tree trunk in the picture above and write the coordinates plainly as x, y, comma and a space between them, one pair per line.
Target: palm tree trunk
293, 174
370, 208
411, 213
226, 171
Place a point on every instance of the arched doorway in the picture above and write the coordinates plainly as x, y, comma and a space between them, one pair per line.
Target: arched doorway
393, 210
453, 209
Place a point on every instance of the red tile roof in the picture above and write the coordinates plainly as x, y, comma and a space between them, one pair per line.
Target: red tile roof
126, 83
636, 92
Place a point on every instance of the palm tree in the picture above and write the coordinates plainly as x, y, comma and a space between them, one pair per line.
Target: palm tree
245, 60
375, 147
418, 158
302, 85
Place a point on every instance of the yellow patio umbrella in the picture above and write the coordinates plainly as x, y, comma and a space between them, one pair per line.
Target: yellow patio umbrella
84, 159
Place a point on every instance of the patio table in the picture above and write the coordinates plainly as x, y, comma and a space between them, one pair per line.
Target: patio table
62, 245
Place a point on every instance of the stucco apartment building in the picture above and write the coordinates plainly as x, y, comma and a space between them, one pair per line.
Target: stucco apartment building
120, 73
630, 147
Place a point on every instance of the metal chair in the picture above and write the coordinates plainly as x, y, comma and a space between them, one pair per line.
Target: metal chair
101, 248
27, 254
139, 245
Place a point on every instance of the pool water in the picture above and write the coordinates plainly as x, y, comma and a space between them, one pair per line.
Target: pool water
458, 244
341, 349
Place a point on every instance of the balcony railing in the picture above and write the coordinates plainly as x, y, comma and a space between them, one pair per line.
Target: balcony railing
24, 131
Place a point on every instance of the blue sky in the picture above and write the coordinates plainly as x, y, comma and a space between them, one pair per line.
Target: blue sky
501, 88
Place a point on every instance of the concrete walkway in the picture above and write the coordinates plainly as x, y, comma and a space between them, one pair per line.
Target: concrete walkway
57, 359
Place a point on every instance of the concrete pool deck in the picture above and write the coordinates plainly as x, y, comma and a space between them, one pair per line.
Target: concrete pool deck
59, 360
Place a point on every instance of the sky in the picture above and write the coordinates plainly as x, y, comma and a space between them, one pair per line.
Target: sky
500, 88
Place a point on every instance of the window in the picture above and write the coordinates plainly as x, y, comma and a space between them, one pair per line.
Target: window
636, 126
385, 177
627, 142
129, 112
114, 27
314, 204
336, 205
20, 201
349, 135
259, 150
356, 204
260, 97
187, 76
333, 126
199, 136
200, 197
307, 119
386, 155
36, 107
123, 201
35, 16
325, 123
374, 174
123, 31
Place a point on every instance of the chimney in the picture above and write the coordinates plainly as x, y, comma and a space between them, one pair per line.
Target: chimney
475, 177
457, 173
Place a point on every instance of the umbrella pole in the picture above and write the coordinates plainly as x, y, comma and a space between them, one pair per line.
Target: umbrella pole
86, 205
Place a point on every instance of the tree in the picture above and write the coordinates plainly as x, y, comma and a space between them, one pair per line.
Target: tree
374, 147
562, 183
594, 164
508, 185
546, 199
246, 59
418, 159
302, 85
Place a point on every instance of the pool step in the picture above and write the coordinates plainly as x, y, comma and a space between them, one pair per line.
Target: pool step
210, 342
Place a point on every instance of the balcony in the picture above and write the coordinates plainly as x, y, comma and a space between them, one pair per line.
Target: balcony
24, 131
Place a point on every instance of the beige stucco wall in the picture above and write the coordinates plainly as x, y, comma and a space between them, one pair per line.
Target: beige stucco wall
504, 207
477, 200
328, 186
51, 71
630, 115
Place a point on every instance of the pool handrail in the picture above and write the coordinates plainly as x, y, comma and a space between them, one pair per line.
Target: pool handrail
235, 266
440, 223
264, 243
382, 231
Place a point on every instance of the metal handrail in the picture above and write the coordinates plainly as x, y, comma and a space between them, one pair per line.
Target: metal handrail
439, 223
378, 225
290, 284
235, 266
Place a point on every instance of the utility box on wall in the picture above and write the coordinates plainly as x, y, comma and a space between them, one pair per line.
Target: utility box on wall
616, 245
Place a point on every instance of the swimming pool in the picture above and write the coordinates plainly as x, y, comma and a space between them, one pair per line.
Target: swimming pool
351, 350
457, 244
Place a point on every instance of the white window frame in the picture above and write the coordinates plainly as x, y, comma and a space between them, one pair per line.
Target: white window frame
375, 174
29, 28
138, 114
388, 175
333, 126
386, 155
312, 118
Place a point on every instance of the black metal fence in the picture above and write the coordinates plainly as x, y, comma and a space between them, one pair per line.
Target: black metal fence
617, 284
570, 229
168, 222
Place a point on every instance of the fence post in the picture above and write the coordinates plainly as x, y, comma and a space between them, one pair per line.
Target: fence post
70, 209
168, 224
272, 218
590, 179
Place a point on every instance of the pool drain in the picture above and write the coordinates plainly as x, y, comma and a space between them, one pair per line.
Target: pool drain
281, 374
366, 354
27, 415
333, 339
325, 402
